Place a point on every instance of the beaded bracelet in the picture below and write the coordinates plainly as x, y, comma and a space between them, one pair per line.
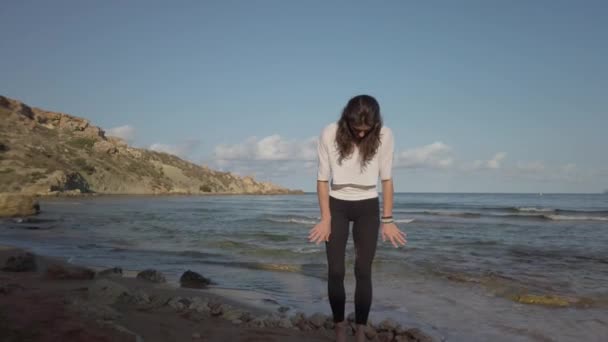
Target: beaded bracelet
387, 220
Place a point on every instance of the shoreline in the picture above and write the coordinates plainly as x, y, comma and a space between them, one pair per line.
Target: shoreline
121, 308
177, 194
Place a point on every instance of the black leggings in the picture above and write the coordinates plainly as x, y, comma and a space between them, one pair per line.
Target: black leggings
365, 215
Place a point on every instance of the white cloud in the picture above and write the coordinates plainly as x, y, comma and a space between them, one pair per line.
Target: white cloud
182, 150
530, 167
268, 158
493, 164
435, 155
272, 147
126, 132
274, 157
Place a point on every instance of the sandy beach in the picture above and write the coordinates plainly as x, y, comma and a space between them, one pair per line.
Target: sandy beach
48, 299
36, 307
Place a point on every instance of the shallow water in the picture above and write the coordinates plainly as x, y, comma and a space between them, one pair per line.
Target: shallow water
477, 267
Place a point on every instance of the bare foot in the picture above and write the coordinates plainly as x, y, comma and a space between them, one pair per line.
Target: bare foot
340, 331
360, 334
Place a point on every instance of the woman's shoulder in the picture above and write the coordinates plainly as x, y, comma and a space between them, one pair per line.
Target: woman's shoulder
385, 131
329, 129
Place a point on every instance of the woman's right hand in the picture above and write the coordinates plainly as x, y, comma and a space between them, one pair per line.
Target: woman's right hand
320, 232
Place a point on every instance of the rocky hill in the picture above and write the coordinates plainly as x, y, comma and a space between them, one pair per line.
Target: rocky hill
43, 152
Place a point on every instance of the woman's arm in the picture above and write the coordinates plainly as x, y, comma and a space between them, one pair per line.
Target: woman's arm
387, 197
323, 195
322, 230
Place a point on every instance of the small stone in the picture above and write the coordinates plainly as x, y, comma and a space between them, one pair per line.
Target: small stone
196, 335
385, 336
351, 317
388, 325
416, 335
246, 317
111, 272
69, 272
370, 332
317, 320
23, 262
151, 275
284, 323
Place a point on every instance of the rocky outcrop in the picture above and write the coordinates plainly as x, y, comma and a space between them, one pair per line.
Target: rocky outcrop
12, 205
46, 153
193, 280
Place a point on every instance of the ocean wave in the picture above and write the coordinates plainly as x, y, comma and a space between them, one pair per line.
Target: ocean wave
575, 218
534, 210
293, 220
271, 236
554, 217
531, 253
527, 213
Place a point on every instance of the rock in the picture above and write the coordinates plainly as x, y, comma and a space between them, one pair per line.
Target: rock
104, 146
258, 322
283, 309
12, 205
125, 334
284, 323
23, 262
10, 288
107, 291
317, 320
138, 298
416, 335
246, 317
196, 335
111, 272
177, 304
297, 318
69, 272
65, 182
231, 313
199, 304
304, 325
94, 310
216, 310
152, 276
385, 336
388, 325
193, 280
370, 332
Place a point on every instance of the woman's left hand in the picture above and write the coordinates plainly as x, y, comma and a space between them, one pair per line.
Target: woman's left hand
392, 233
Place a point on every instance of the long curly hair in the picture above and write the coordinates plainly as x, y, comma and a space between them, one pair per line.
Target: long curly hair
361, 110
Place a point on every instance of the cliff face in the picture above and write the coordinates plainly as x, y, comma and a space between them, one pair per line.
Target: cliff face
43, 152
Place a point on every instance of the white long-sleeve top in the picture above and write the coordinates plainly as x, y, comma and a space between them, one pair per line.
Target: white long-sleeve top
348, 181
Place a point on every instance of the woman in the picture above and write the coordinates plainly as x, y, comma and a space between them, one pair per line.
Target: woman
353, 153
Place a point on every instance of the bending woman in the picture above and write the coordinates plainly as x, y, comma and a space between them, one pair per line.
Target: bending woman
352, 154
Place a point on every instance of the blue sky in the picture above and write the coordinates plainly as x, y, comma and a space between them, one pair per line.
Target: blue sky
483, 96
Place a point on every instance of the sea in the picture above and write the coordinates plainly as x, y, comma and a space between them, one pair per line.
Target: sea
477, 267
